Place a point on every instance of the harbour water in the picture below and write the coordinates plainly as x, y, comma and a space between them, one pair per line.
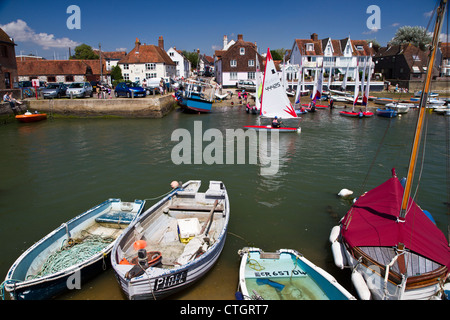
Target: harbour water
55, 169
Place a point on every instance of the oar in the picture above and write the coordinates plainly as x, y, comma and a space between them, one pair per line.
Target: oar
211, 214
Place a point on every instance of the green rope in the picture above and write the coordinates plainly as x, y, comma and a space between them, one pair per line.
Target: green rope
72, 254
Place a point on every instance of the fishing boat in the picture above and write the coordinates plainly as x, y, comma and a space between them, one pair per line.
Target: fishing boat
386, 112
395, 251
196, 96
274, 101
187, 228
401, 108
285, 275
31, 117
72, 253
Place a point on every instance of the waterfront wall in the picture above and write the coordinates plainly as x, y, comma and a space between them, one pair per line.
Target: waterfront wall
149, 107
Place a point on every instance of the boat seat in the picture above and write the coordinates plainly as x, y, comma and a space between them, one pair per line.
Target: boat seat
215, 190
115, 218
206, 208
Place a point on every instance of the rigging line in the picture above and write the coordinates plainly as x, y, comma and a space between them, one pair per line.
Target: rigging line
447, 136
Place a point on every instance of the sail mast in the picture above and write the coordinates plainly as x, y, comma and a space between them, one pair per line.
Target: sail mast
422, 107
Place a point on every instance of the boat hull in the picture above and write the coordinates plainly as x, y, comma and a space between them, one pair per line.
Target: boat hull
270, 128
34, 117
386, 113
351, 114
23, 281
285, 275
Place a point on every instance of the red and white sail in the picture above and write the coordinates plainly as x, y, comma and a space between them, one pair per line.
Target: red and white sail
274, 100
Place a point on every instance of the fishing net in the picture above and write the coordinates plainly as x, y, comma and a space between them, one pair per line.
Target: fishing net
72, 253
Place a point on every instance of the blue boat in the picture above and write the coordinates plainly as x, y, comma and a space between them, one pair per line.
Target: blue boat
72, 253
195, 97
285, 275
386, 112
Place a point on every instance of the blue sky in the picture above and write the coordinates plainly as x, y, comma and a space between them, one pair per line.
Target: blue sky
40, 27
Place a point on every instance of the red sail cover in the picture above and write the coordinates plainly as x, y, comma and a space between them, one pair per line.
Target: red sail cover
372, 221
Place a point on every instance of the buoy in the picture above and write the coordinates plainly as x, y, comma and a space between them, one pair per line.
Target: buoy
337, 255
334, 234
140, 244
345, 193
360, 286
174, 184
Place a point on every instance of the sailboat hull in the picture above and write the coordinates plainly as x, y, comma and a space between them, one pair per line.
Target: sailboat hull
270, 128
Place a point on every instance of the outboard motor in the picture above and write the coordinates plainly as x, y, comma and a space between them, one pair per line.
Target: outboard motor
142, 258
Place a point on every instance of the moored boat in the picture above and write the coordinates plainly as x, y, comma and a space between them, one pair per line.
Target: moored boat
31, 117
187, 228
195, 97
79, 249
285, 275
401, 108
395, 251
356, 114
386, 112
383, 100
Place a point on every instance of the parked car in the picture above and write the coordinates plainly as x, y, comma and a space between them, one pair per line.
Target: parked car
79, 89
248, 85
54, 90
127, 89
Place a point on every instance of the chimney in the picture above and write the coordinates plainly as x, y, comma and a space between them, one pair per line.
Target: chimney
161, 42
314, 37
225, 41
240, 37
137, 44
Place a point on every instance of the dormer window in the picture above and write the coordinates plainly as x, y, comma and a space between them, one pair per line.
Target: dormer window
242, 51
310, 47
360, 48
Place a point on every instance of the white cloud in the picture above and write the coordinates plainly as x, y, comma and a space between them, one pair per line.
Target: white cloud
20, 31
371, 31
428, 14
396, 24
121, 49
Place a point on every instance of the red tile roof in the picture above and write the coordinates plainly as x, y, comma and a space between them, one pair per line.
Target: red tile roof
58, 67
146, 54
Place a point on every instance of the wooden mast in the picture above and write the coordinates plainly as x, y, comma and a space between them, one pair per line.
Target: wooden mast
422, 107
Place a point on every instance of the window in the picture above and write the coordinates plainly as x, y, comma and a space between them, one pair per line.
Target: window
360, 48
171, 54
416, 58
51, 79
251, 63
241, 51
310, 47
251, 76
233, 75
126, 66
150, 66
233, 63
69, 79
126, 76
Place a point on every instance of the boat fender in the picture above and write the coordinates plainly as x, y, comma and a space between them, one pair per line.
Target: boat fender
360, 286
337, 255
345, 193
334, 234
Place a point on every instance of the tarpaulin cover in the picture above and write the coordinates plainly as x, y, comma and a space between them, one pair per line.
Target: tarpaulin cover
372, 221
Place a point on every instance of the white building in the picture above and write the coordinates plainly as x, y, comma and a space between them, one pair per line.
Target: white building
183, 65
147, 62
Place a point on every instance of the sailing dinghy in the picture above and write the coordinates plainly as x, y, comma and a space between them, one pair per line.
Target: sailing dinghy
285, 275
395, 251
274, 101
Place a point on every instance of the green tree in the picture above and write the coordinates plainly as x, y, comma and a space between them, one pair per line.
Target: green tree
417, 35
84, 51
375, 44
278, 54
116, 73
192, 57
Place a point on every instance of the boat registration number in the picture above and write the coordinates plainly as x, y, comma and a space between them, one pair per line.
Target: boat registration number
279, 273
170, 281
